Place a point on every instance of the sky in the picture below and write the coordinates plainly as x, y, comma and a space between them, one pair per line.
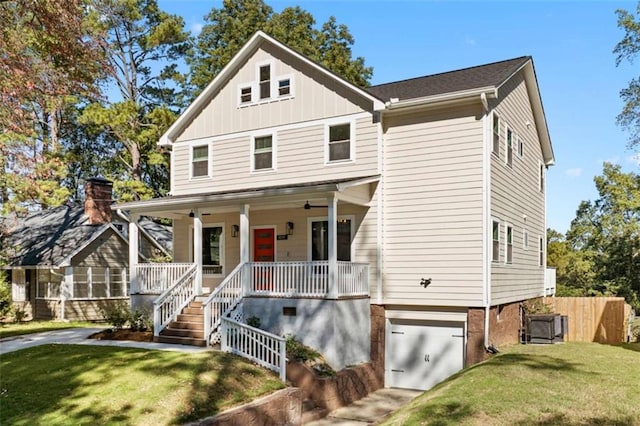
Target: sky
571, 43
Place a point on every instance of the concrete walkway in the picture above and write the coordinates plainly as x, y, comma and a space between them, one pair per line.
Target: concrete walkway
79, 336
370, 410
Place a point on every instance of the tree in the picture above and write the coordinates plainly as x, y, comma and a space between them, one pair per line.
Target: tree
230, 27
628, 49
606, 235
143, 45
49, 59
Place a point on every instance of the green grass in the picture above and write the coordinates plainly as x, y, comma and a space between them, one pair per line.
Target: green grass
75, 384
565, 384
29, 327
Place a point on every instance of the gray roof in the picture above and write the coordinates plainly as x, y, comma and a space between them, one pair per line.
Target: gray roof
53, 236
489, 75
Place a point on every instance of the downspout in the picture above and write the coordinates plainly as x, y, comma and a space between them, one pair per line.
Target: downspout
486, 217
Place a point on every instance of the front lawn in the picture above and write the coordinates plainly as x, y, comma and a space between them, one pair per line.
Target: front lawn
564, 384
29, 327
74, 384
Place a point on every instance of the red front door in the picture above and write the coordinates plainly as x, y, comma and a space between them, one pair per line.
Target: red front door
263, 251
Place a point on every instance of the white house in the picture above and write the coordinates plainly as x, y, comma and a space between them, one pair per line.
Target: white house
401, 224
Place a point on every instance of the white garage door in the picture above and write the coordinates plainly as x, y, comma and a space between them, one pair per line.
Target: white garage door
421, 354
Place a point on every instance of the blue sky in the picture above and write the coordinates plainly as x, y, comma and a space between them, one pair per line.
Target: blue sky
571, 43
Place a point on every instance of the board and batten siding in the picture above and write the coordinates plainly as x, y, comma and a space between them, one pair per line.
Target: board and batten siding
433, 208
516, 199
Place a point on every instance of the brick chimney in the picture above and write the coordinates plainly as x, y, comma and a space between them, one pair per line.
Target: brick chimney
97, 200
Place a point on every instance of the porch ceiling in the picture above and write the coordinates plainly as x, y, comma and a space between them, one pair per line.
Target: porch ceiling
357, 191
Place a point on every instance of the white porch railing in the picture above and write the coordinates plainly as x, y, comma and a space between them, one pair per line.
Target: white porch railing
223, 300
154, 278
174, 300
307, 279
265, 349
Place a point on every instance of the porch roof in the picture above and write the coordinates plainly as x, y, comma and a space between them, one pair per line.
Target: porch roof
280, 196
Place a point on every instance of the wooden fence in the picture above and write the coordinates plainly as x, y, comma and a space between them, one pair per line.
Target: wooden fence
593, 319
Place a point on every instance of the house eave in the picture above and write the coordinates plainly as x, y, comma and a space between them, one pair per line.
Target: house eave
440, 100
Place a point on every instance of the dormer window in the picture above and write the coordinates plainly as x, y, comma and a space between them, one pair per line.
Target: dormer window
265, 81
284, 87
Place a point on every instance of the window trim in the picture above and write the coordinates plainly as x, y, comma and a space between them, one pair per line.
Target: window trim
352, 141
508, 146
541, 177
525, 239
520, 147
495, 145
495, 257
192, 147
508, 227
310, 221
222, 247
541, 251
274, 152
281, 78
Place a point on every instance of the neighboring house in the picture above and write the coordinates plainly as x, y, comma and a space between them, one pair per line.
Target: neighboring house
403, 223
68, 262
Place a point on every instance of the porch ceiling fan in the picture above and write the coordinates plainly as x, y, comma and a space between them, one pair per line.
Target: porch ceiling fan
308, 206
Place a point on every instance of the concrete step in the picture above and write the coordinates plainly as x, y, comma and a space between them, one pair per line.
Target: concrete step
182, 332
175, 340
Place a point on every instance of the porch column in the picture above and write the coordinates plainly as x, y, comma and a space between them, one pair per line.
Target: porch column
197, 249
332, 219
133, 253
244, 246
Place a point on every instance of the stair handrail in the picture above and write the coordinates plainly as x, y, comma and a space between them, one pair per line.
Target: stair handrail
223, 300
173, 300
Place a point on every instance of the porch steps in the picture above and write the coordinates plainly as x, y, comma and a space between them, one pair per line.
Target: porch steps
188, 329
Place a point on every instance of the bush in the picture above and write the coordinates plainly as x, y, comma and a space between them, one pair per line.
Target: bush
140, 320
253, 322
5, 296
297, 351
116, 314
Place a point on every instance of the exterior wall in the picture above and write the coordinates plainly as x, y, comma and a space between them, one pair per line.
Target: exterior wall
517, 200
475, 337
294, 248
108, 249
298, 125
89, 310
504, 324
319, 324
47, 309
433, 207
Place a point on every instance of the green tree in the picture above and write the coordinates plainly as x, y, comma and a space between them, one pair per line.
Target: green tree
230, 27
627, 50
143, 45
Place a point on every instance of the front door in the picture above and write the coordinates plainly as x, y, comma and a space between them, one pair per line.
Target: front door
263, 251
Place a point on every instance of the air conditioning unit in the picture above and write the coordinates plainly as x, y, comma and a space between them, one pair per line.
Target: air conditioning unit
547, 328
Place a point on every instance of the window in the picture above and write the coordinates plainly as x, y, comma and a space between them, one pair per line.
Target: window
49, 281
509, 147
265, 81
496, 135
200, 161
541, 177
245, 95
509, 256
212, 250
320, 240
284, 87
263, 153
495, 252
340, 142
525, 239
520, 148
541, 249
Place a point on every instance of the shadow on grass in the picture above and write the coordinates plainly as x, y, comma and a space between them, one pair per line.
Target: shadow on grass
448, 413
560, 419
631, 346
533, 361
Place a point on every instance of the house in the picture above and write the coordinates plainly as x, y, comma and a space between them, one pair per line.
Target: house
401, 224
68, 262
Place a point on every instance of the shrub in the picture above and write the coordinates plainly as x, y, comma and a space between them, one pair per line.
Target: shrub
253, 321
536, 306
117, 314
5, 296
140, 320
299, 352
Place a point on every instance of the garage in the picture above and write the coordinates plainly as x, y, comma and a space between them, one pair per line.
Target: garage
421, 354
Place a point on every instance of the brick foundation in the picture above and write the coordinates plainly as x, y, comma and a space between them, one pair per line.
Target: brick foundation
504, 324
475, 336
378, 342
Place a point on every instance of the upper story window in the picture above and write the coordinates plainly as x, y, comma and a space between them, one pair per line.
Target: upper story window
495, 235
509, 147
509, 241
520, 148
265, 81
525, 239
541, 178
245, 94
541, 250
200, 161
496, 135
263, 153
339, 143
284, 87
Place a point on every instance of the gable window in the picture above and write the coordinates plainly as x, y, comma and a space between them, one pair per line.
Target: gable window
212, 249
245, 95
520, 148
265, 81
541, 250
509, 147
284, 87
495, 232
263, 153
525, 239
509, 241
200, 161
496, 135
340, 142
320, 240
541, 178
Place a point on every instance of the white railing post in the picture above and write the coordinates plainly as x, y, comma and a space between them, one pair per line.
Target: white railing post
197, 249
224, 331
283, 360
124, 282
332, 217
244, 246
107, 282
89, 282
156, 322
133, 252
207, 323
